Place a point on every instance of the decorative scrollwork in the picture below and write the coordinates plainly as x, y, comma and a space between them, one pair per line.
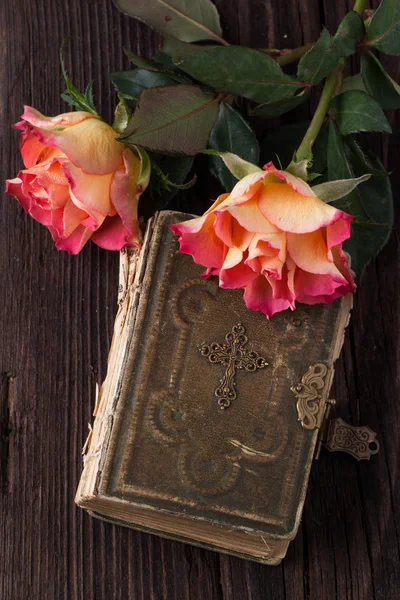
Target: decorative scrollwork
310, 396
359, 442
234, 357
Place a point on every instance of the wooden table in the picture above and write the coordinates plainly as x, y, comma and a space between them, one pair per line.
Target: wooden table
57, 314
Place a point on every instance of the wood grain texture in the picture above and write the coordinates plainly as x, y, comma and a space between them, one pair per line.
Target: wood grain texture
56, 323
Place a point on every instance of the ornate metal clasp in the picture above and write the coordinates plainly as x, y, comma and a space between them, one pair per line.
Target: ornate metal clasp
311, 392
359, 442
313, 410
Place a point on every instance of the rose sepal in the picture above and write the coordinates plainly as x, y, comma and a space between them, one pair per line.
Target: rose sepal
239, 167
333, 190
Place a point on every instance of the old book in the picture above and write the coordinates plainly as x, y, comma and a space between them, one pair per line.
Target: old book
207, 423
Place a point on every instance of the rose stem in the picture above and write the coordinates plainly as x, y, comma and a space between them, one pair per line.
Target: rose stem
304, 150
359, 6
292, 55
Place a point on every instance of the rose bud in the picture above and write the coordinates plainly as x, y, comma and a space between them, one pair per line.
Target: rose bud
273, 237
79, 180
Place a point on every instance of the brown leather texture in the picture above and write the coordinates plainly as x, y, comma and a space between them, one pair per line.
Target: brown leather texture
171, 445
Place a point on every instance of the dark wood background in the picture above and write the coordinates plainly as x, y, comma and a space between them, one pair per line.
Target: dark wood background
57, 314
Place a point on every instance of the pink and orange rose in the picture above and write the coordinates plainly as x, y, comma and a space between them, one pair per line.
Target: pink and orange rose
273, 237
79, 180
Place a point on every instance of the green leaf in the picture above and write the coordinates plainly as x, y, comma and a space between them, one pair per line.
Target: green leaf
132, 83
322, 58
279, 107
237, 166
72, 95
367, 239
334, 190
350, 31
377, 200
173, 119
179, 50
231, 133
368, 236
339, 168
376, 196
378, 83
187, 20
239, 70
353, 82
122, 114
142, 62
315, 65
89, 96
357, 111
367, 161
164, 60
149, 64
384, 28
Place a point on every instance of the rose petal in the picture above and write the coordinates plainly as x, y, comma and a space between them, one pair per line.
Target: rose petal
267, 254
113, 235
316, 289
299, 185
293, 212
14, 188
250, 217
281, 287
236, 277
202, 243
208, 272
190, 226
89, 145
31, 149
258, 295
234, 272
123, 193
342, 264
218, 201
230, 232
339, 231
72, 217
269, 244
90, 193
35, 118
53, 180
75, 242
245, 189
310, 253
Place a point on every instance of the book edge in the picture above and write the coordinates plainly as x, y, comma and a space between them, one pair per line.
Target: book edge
131, 272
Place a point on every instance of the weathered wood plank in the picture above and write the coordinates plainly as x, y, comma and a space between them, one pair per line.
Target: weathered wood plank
57, 313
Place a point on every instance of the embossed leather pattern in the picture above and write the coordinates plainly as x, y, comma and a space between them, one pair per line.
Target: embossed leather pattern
171, 445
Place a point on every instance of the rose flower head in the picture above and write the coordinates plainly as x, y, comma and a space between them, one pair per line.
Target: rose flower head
79, 180
273, 237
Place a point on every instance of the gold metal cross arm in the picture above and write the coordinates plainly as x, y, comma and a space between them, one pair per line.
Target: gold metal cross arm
234, 356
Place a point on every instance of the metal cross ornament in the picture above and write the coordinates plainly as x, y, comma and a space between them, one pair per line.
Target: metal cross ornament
234, 357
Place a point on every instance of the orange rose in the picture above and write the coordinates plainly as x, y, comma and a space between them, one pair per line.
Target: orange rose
79, 181
273, 237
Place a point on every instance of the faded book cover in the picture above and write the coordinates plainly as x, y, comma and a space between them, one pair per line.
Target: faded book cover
206, 425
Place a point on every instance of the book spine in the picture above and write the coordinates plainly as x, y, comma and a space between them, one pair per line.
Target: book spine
131, 271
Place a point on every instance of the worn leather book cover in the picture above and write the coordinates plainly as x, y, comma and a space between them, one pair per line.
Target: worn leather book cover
206, 425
